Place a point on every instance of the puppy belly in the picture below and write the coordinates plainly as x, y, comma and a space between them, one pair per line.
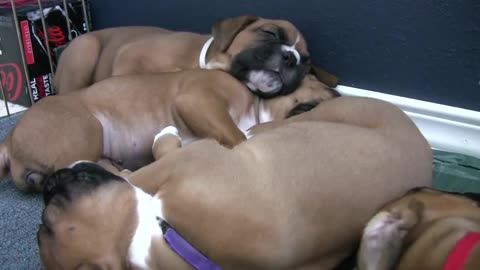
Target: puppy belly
129, 152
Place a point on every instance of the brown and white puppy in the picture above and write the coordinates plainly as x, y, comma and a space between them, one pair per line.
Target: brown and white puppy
293, 197
425, 229
270, 56
117, 118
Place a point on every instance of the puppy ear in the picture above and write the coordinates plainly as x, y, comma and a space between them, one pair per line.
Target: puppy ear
416, 208
324, 76
225, 31
303, 107
54, 183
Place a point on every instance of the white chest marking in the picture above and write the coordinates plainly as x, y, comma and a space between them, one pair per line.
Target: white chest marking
264, 114
248, 120
148, 208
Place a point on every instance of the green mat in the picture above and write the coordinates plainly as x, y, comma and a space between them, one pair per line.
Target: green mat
456, 172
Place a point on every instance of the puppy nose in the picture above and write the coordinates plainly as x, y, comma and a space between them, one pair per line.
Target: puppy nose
289, 59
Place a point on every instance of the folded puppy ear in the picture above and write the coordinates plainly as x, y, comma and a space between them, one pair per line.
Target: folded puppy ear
303, 107
225, 31
324, 76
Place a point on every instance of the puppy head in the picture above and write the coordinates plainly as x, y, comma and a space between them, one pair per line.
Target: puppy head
270, 56
88, 220
308, 95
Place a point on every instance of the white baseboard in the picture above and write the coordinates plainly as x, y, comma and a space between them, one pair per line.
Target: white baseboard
446, 128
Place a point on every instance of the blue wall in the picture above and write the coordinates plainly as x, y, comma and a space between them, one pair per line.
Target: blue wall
428, 50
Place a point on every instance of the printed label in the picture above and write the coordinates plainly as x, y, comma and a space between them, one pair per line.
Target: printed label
27, 42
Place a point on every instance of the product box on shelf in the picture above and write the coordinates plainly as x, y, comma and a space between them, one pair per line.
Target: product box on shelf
59, 27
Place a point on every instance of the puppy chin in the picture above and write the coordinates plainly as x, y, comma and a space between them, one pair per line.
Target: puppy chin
264, 70
264, 83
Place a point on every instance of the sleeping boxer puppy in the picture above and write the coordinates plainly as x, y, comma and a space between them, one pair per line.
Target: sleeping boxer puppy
270, 56
117, 118
292, 197
425, 229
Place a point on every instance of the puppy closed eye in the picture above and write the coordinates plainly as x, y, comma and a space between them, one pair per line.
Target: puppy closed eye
270, 33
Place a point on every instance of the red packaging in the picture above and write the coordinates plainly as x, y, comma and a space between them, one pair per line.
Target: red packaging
33, 44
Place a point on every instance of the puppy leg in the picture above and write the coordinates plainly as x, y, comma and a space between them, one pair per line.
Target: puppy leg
213, 121
382, 241
165, 141
77, 64
125, 173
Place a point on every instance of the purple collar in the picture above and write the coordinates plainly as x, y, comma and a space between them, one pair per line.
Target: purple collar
184, 249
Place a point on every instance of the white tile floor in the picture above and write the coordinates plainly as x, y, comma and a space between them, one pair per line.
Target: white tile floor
12, 107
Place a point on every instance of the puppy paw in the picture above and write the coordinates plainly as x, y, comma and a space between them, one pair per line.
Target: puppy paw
167, 130
382, 241
165, 141
385, 225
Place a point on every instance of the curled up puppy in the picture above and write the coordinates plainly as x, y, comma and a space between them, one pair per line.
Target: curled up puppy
424, 229
269, 56
294, 196
116, 120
